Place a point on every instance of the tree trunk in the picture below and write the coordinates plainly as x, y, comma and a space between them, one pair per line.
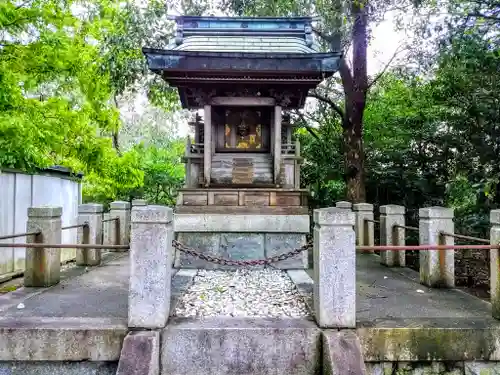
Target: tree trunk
116, 145
355, 88
114, 134
354, 160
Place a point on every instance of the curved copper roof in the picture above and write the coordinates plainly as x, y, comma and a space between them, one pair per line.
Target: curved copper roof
237, 43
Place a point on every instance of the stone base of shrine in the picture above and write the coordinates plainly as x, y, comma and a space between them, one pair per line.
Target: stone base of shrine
238, 199
241, 237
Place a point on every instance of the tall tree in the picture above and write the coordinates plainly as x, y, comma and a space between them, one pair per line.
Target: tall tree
355, 87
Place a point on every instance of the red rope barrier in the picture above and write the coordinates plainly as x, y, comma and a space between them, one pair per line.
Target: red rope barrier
428, 247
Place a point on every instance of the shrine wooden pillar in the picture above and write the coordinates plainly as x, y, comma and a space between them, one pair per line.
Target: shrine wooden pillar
207, 146
277, 144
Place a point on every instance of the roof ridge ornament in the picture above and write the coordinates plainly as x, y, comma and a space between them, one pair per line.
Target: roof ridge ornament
179, 36
308, 35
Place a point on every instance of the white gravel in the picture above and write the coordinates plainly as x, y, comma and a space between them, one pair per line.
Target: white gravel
242, 293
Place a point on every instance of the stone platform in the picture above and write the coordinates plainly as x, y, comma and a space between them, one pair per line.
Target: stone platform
401, 325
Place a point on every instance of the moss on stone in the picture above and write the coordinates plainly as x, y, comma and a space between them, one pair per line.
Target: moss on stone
429, 344
8, 288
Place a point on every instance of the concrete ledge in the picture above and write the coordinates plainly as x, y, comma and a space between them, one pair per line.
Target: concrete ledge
240, 346
342, 353
241, 223
57, 368
140, 354
430, 344
305, 286
61, 339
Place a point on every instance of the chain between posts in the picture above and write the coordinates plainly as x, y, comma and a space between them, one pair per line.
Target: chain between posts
231, 262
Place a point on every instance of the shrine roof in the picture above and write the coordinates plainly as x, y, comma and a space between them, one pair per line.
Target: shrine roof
244, 34
269, 54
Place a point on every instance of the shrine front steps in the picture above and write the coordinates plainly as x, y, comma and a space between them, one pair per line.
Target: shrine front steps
234, 346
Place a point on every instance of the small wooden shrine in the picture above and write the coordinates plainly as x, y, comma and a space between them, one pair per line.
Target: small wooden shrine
246, 74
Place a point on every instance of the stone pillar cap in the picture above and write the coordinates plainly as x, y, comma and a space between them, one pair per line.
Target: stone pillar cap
495, 217
45, 211
139, 202
392, 209
152, 214
90, 208
333, 216
436, 212
362, 207
119, 205
343, 204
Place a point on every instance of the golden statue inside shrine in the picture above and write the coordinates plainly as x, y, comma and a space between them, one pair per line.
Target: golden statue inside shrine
243, 129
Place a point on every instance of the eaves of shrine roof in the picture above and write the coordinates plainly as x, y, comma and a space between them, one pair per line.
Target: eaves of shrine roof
244, 45
268, 55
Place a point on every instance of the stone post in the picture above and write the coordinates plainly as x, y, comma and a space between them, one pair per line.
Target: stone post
139, 202
334, 268
343, 204
43, 265
150, 267
437, 267
90, 213
391, 215
365, 230
121, 210
107, 229
495, 264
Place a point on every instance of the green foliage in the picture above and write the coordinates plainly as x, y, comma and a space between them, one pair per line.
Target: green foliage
144, 171
163, 172
133, 27
117, 178
62, 64
53, 98
429, 140
445, 136
323, 166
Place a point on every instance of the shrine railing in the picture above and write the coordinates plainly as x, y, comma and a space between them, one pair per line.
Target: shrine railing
193, 148
196, 148
290, 148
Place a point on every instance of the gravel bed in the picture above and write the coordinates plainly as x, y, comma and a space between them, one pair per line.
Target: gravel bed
242, 293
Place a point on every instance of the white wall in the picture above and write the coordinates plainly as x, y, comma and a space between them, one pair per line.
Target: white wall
18, 191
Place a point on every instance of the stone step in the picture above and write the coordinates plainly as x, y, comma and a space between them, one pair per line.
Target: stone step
223, 346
